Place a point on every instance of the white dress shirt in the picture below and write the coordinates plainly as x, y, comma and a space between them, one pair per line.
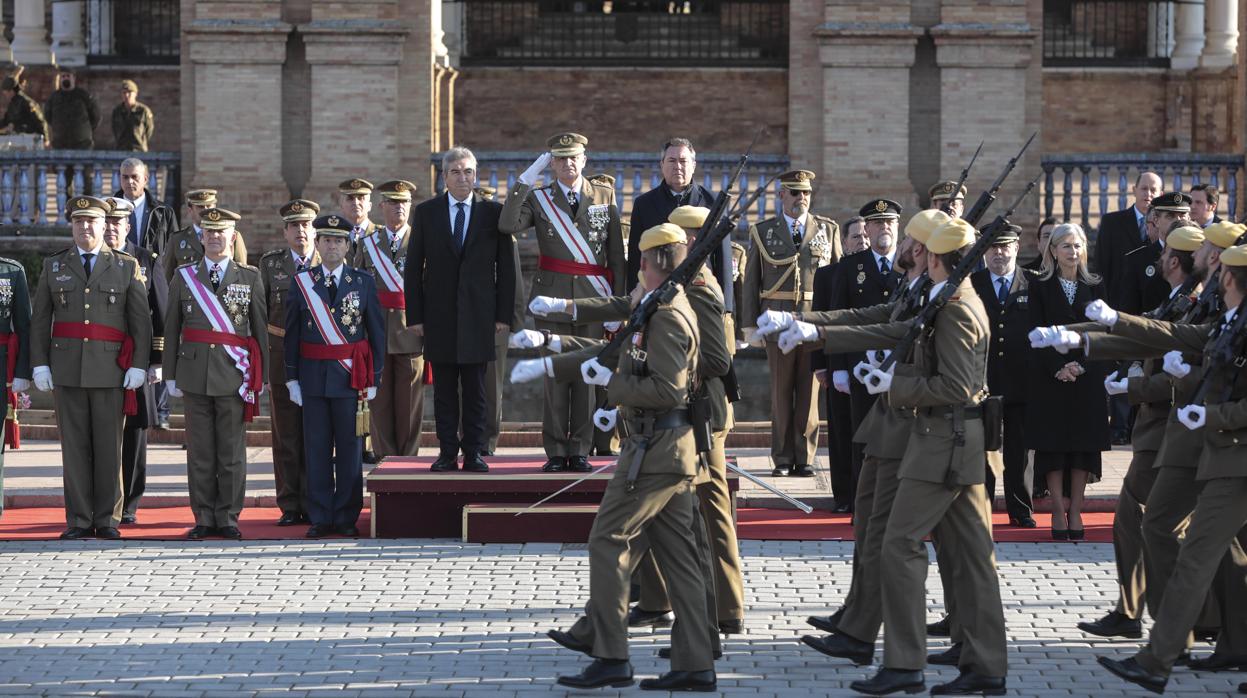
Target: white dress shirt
891, 259
467, 213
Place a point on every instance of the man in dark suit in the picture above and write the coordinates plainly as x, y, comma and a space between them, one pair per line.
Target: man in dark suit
678, 162
1204, 200
151, 222
1003, 288
460, 286
864, 279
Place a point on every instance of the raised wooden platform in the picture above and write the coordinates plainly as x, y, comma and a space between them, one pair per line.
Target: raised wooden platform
503, 523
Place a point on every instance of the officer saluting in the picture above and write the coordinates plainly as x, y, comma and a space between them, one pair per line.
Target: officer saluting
277, 270
14, 349
784, 252
215, 362
334, 351
186, 245
91, 308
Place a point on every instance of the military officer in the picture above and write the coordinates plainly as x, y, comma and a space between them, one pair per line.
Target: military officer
651, 493
334, 354
580, 255
948, 197
277, 271
14, 350
134, 433
398, 411
784, 252
186, 245
91, 335
354, 205
1141, 287
216, 363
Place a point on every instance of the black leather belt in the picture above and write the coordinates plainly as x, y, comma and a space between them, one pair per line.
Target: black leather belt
975, 412
672, 419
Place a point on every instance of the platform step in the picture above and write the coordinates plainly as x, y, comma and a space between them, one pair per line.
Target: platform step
549, 523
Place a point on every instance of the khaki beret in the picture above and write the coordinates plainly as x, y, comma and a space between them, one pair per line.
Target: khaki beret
332, 226
201, 197
1172, 201
689, 216
1235, 256
130, 86
86, 207
1188, 238
219, 219
662, 234
355, 185
299, 210
1224, 234
118, 207
944, 190
565, 145
797, 180
924, 223
397, 190
951, 236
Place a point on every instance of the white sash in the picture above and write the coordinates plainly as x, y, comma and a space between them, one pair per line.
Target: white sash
211, 307
572, 239
386, 270
321, 315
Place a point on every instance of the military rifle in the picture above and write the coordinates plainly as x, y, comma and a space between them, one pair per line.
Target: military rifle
988, 197
1175, 306
965, 174
1229, 348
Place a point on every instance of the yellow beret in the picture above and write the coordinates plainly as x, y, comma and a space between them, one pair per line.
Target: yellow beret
689, 216
1188, 238
662, 234
1235, 256
219, 219
564, 145
924, 223
951, 236
1224, 234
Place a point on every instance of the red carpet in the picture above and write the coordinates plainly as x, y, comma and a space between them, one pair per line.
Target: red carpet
44, 523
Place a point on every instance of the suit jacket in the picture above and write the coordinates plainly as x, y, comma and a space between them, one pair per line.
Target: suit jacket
823, 280
459, 295
1119, 233
654, 207
859, 284
205, 369
158, 303
15, 316
399, 340
1010, 323
184, 247
359, 316
277, 270
159, 222
778, 274
114, 295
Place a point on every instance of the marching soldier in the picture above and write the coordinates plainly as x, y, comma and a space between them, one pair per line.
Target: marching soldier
213, 331
354, 205
398, 411
784, 252
91, 334
277, 271
14, 350
580, 255
134, 433
947, 197
334, 354
186, 245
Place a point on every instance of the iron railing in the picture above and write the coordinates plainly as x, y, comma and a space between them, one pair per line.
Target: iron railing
635, 174
133, 32
35, 184
1108, 33
1089, 185
737, 33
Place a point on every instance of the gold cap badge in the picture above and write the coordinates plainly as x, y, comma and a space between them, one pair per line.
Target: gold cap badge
881, 206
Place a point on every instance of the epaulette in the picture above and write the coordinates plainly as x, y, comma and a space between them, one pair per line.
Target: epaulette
123, 253
6, 260
270, 253
739, 247
603, 180
247, 266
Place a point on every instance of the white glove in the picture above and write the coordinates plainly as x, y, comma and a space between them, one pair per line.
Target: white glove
1043, 337
752, 338
595, 373
1099, 311
879, 381
840, 381
1113, 387
612, 326
772, 321
1066, 340
534, 170
741, 345
861, 370
43, 378
1175, 366
171, 387
604, 420
877, 357
542, 306
155, 373
797, 333
1136, 370
526, 339
1193, 416
530, 370
134, 379
370, 393
296, 392
20, 385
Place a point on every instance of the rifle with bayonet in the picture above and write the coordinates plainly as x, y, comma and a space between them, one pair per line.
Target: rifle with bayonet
1175, 306
961, 182
1230, 347
988, 197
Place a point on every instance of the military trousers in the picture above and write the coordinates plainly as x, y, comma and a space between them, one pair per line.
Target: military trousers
335, 475
863, 508
289, 467
719, 515
663, 508
794, 412
133, 468
398, 410
963, 516
1016, 487
216, 458
1128, 533
495, 374
567, 413
90, 421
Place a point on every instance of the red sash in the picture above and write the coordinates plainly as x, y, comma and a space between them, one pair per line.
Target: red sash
12, 429
103, 333
254, 379
563, 266
392, 300
359, 353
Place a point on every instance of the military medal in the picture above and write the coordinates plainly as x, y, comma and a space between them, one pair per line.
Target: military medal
350, 315
237, 300
861, 277
6, 292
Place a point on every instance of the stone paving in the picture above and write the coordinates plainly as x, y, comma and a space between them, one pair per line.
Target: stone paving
431, 617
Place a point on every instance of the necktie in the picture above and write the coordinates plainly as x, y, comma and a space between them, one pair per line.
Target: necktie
1143, 230
884, 267
1003, 293
133, 237
574, 201
459, 216
86, 262
331, 283
214, 275
796, 234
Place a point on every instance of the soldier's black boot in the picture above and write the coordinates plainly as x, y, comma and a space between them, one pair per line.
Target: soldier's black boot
1114, 624
890, 681
601, 673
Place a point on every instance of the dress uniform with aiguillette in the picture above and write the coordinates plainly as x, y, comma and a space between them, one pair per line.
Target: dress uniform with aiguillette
216, 356
398, 410
784, 253
14, 351
277, 272
91, 334
335, 351
186, 245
